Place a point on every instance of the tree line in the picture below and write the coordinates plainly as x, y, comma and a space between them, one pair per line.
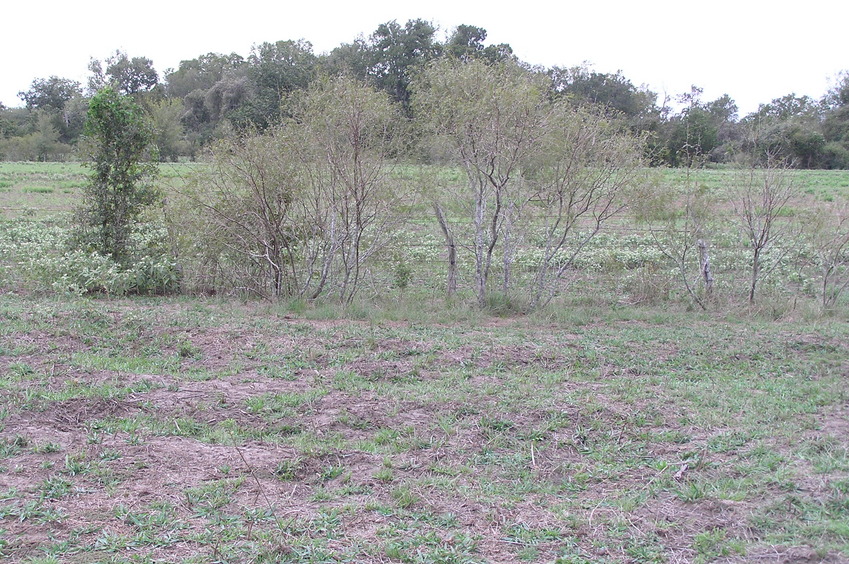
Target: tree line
316, 203
215, 96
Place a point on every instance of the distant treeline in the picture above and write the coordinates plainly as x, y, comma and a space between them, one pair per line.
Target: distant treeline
215, 96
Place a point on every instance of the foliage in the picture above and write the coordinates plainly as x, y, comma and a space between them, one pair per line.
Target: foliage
50, 93
126, 75
40, 256
169, 134
517, 147
701, 132
788, 128
43, 143
397, 52
200, 74
581, 177
273, 70
491, 116
353, 134
466, 43
301, 208
220, 93
582, 85
120, 186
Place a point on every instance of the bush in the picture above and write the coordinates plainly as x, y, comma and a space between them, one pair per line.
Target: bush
36, 256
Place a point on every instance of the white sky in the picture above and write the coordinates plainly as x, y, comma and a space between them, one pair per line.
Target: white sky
753, 50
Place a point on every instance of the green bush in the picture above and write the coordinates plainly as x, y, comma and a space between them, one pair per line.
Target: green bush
37, 256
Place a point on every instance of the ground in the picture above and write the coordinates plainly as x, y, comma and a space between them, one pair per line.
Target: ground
166, 430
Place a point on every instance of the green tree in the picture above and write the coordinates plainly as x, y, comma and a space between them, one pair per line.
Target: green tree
59, 99
788, 128
13, 122
835, 125
120, 185
124, 74
210, 87
701, 131
169, 133
581, 85
274, 70
352, 59
396, 52
491, 116
200, 73
466, 42
50, 93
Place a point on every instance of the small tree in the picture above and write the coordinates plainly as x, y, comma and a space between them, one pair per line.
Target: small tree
351, 134
580, 174
120, 185
300, 209
680, 220
760, 198
827, 233
492, 116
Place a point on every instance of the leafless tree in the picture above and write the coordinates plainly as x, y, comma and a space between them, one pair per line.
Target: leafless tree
760, 198
827, 231
581, 175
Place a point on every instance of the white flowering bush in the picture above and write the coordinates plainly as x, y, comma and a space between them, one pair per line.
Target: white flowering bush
36, 255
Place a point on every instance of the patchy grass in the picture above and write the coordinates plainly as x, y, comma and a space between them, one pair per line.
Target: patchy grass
197, 431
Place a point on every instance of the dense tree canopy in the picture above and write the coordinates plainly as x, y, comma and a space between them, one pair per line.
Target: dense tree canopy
214, 94
124, 74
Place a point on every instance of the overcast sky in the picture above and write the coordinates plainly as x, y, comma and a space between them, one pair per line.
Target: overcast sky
753, 50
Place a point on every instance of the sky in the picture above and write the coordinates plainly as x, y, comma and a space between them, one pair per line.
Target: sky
752, 50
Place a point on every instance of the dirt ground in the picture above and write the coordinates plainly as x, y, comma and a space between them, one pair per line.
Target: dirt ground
367, 453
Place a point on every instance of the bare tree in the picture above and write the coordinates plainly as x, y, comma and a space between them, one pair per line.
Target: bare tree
448, 233
581, 174
828, 236
492, 115
759, 199
679, 219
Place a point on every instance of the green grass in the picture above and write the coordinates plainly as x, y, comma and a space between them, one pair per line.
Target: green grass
410, 428
652, 436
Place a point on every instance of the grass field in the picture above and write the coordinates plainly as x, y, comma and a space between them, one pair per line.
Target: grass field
188, 429
178, 430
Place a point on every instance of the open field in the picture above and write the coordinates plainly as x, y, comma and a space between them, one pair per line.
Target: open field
44, 189
178, 430
624, 264
607, 427
54, 187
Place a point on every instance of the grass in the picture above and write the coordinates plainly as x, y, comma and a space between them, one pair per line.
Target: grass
411, 429
654, 437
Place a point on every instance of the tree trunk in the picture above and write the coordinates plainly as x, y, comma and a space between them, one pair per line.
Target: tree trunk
452, 249
704, 264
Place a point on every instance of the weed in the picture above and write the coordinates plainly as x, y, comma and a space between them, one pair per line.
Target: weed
55, 488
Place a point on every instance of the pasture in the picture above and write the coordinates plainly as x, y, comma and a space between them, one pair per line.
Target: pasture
407, 428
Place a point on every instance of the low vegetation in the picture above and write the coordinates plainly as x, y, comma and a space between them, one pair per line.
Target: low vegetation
198, 430
620, 422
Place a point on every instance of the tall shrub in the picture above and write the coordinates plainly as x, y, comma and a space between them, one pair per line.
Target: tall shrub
120, 185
